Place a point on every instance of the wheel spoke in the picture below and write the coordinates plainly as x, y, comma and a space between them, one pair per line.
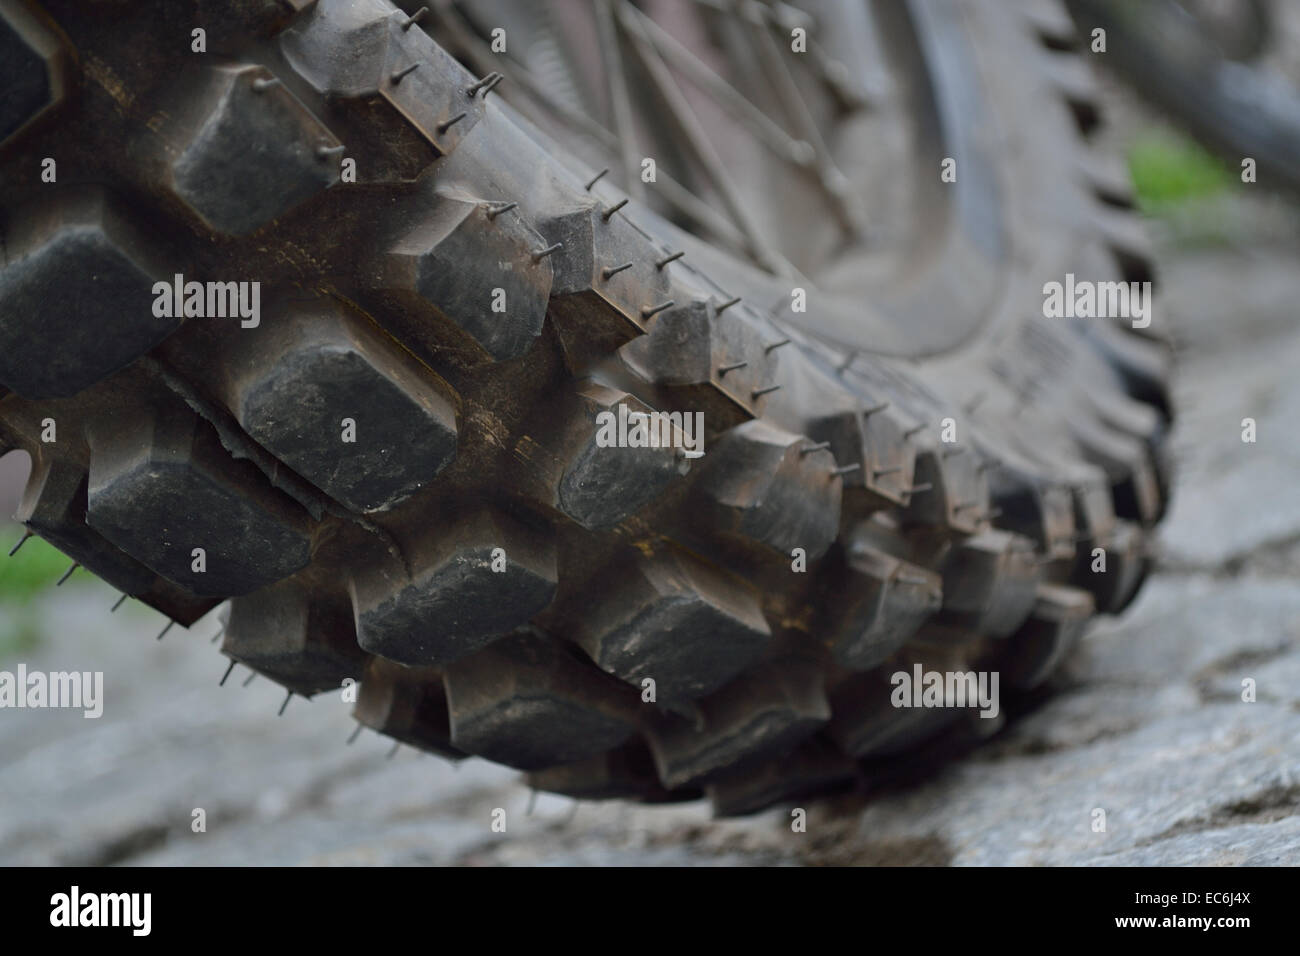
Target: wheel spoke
784, 145
801, 154
787, 90
622, 30
697, 141
677, 195
620, 97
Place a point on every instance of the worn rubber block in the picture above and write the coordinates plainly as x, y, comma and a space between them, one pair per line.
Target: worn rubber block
162, 486
471, 583
529, 703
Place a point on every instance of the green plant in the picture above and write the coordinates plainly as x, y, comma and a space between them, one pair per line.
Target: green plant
1169, 168
32, 571
23, 578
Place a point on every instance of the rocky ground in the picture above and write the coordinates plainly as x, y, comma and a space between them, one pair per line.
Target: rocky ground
1150, 725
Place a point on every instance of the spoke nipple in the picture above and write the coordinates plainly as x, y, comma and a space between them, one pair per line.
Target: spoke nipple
845, 469
541, 254
287, 697
68, 573
249, 679
222, 682
614, 208
356, 733
492, 84
872, 411
726, 305
723, 370
670, 258
809, 449
120, 602
597, 178
914, 430
261, 84
775, 345
882, 472
608, 273
917, 489
768, 390
163, 632
414, 18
